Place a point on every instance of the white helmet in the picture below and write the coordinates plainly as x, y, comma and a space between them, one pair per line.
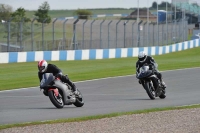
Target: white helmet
42, 66
142, 56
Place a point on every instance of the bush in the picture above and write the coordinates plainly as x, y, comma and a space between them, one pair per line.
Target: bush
83, 14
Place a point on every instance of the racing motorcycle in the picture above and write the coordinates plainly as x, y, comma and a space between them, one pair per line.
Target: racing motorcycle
60, 93
150, 82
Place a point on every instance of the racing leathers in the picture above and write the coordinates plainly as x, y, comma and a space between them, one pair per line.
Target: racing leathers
149, 60
51, 68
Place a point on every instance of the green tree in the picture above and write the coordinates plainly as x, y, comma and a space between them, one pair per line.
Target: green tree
162, 5
5, 12
19, 18
42, 13
19, 14
83, 14
154, 5
195, 4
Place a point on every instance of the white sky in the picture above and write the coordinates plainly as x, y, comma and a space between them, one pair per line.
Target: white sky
78, 4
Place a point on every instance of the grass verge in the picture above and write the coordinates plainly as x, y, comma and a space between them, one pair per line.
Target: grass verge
16, 75
81, 119
21, 75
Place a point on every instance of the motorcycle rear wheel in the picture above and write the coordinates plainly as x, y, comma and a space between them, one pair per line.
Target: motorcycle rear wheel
79, 100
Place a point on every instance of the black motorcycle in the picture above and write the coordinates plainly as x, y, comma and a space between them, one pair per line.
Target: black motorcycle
150, 82
60, 93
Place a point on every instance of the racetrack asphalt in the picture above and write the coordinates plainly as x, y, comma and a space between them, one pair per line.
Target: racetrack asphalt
101, 96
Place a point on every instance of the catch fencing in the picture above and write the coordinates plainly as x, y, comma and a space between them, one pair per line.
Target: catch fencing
79, 34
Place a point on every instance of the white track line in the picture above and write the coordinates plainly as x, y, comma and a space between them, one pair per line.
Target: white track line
101, 79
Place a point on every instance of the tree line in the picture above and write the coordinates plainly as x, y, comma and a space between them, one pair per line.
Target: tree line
42, 14
19, 16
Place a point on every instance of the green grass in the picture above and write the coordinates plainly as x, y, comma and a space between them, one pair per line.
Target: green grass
86, 118
70, 13
15, 75
20, 75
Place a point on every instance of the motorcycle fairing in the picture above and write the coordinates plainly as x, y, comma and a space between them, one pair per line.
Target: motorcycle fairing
50, 82
67, 94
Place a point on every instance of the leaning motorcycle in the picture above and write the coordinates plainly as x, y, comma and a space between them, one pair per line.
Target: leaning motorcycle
150, 82
60, 93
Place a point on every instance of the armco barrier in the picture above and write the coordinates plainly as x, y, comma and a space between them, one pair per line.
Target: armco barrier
11, 57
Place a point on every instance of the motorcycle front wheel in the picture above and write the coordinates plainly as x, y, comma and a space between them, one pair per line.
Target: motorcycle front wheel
150, 90
56, 100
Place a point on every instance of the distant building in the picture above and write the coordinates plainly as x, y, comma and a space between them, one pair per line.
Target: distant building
186, 1
143, 15
180, 1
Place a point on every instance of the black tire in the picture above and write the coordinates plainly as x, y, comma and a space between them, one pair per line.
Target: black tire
149, 90
162, 96
57, 101
79, 100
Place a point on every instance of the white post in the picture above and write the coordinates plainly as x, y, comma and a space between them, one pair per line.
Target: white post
138, 36
175, 21
138, 13
157, 25
166, 24
147, 21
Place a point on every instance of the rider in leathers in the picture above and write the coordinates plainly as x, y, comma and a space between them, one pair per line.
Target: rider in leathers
44, 67
145, 59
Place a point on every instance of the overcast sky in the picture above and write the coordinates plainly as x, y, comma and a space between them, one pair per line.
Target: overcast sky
78, 4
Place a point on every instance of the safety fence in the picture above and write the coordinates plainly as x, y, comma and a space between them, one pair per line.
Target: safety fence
92, 54
77, 34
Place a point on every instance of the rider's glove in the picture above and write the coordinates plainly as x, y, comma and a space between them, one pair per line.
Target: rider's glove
151, 67
59, 75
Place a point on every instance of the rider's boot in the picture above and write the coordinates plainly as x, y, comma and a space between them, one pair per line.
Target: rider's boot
74, 89
71, 84
163, 83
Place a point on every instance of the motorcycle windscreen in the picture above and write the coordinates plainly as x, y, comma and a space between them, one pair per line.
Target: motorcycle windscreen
144, 72
47, 78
